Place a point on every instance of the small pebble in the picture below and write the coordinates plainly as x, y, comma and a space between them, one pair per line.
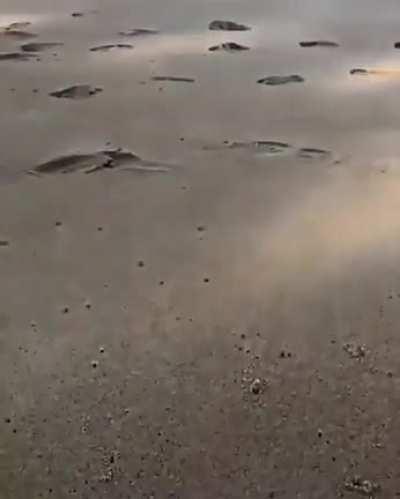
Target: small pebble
4, 243
65, 310
140, 263
206, 279
101, 349
161, 283
94, 364
256, 386
58, 223
201, 228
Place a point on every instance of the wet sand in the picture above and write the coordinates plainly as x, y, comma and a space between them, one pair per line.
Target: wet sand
200, 280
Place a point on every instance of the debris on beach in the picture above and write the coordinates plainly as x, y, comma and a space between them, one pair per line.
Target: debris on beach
262, 146
364, 487
138, 32
281, 80
40, 46
228, 47
219, 25
15, 56
313, 153
355, 351
318, 43
256, 386
173, 78
106, 48
98, 160
76, 92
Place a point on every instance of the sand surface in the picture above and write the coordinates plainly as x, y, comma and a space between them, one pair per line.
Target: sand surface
211, 311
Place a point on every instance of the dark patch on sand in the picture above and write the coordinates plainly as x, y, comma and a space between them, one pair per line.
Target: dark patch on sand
98, 160
15, 34
106, 48
138, 32
4, 243
268, 147
76, 92
397, 45
219, 25
173, 78
359, 71
318, 43
15, 56
228, 47
77, 14
313, 153
281, 80
40, 46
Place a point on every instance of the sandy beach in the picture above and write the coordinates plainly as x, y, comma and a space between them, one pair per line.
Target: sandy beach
199, 249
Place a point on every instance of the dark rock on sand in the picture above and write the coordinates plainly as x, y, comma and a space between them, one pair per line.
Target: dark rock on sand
228, 47
106, 48
173, 78
4, 243
318, 43
138, 32
359, 71
40, 46
14, 56
227, 26
76, 92
77, 14
397, 45
98, 160
313, 153
281, 80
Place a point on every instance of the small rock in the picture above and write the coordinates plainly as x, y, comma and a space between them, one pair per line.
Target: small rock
4, 243
363, 487
77, 14
219, 25
318, 43
228, 47
281, 80
94, 364
65, 310
355, 351
140, 263
76, 92
256, 386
